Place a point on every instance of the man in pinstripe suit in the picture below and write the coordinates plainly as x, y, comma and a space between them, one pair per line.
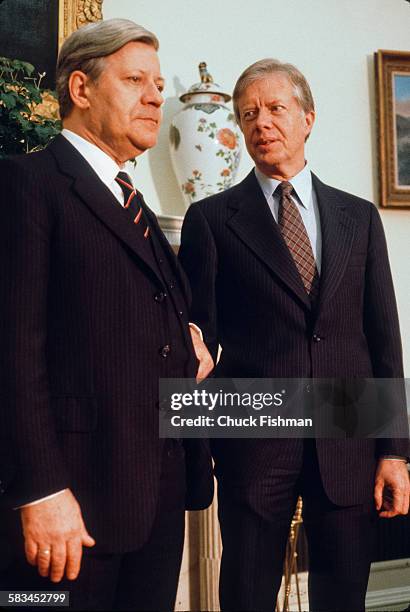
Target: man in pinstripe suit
291, 277
94, 310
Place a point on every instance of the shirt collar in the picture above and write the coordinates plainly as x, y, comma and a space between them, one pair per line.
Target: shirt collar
102, 164
301, 183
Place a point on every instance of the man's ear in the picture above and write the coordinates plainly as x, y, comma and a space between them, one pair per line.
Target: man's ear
78, 86
309, 119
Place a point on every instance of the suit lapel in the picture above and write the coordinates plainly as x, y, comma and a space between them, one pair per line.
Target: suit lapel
99, 198
254, 224
338, 231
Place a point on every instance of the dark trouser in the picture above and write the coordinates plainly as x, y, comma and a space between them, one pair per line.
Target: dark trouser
340, 540
145, 579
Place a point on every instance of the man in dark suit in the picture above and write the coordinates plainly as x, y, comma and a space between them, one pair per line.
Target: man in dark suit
94, 310
291, 278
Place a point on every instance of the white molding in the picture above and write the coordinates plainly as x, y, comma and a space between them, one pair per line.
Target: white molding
171, 226
384, 599
383, 566
389, 585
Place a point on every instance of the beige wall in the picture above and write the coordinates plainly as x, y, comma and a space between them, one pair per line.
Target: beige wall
331, 41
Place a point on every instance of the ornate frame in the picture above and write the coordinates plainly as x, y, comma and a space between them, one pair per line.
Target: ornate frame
389, 64
72, 14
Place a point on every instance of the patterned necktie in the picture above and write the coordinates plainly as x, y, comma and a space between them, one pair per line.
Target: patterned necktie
132, 203
296, 237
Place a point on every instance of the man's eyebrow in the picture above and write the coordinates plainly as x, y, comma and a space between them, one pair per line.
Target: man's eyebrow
159, 78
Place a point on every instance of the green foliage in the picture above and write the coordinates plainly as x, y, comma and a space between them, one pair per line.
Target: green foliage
28, 113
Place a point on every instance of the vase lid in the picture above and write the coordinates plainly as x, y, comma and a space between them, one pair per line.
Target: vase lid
205, 86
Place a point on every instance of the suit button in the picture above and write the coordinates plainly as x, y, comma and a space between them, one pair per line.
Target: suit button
316, 338
180, 313
160, 260
2, 490
160, 297
172, 284
165, 351
308, 388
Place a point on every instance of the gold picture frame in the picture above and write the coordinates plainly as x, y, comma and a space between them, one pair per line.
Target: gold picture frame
75, 13
393, 98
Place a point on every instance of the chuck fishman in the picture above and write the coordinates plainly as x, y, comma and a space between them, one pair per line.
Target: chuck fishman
224, 420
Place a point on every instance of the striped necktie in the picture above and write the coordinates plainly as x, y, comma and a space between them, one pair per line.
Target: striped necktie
132, 202
296, 237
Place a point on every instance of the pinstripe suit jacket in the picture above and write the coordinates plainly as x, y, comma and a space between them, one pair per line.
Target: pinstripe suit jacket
81, 337
248, 297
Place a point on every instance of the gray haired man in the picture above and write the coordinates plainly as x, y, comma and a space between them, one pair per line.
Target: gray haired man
291, 277
94, 311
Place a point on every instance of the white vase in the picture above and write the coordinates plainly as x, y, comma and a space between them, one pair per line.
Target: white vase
205, 141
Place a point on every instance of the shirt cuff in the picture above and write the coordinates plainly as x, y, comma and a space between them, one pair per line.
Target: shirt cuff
38, 501
198, 329
394, 458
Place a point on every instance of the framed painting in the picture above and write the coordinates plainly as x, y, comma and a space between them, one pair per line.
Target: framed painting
75, 13
393, 96
33, 30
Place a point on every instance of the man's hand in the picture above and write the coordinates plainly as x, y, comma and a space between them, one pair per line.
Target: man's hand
55, 534
392, 488
206, 363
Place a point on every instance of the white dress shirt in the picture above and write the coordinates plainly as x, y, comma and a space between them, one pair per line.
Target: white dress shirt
305, 199
103, 165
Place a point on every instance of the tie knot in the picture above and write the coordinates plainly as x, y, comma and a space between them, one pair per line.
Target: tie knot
285, 188
124, 180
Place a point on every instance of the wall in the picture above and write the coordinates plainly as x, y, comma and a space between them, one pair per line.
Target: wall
331, 41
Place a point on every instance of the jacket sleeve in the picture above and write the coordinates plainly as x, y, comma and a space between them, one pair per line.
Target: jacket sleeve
198, 256
381, 325
31, 463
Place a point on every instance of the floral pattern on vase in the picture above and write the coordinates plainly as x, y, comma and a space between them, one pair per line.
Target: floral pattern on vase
205, 142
